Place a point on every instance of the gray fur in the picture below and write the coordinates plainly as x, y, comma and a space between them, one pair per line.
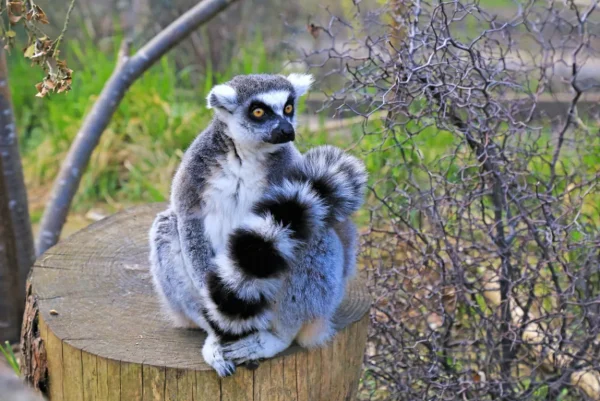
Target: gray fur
346, 231
227, 171
247, 86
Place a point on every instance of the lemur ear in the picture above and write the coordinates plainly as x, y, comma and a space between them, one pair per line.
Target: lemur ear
222, 97
301, 83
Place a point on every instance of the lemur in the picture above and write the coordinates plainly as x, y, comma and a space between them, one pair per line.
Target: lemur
257, 245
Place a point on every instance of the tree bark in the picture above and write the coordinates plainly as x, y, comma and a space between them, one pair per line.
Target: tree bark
97, 120
16, 239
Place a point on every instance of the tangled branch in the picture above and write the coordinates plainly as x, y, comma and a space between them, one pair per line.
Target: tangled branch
481, 131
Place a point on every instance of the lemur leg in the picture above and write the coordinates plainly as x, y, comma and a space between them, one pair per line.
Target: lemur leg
166, 266
180, 299
315, 333
213, 355
195, 248
316, 290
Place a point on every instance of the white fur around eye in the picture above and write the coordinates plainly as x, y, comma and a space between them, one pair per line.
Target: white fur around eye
301, 83
275, 99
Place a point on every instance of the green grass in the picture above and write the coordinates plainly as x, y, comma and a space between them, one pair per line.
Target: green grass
10, 357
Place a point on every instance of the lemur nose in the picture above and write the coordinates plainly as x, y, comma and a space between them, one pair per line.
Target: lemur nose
286, 128
284, 132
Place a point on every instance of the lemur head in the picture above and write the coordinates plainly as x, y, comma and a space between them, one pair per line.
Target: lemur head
260, 108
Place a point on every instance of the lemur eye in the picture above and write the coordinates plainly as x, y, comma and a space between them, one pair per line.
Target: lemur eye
258, 112
288, 109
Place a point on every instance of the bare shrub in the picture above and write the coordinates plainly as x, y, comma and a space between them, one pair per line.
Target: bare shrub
482, 249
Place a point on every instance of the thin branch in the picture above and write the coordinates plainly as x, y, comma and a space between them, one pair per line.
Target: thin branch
65, 26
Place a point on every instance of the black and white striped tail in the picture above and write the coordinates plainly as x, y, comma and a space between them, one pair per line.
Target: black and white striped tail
249, 274
326, 187
337, 177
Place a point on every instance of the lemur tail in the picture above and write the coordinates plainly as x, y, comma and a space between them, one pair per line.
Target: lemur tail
338, 178
249, 273
326, 187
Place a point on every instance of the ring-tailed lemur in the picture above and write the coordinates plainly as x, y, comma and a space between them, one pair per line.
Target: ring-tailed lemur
256, 246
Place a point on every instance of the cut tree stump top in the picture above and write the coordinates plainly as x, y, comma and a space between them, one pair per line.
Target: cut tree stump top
94, 296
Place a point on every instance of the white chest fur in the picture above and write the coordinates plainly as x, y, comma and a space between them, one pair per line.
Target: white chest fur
230, 193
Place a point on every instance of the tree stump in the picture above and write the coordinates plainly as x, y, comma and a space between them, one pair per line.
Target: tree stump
93, 331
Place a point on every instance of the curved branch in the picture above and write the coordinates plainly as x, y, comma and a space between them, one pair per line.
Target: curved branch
124, 75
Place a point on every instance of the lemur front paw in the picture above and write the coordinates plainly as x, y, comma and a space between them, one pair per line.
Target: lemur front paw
213, 355
254, 347
338, 177
244, 350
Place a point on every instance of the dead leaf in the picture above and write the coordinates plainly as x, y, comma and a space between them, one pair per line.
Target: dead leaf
95, 215
449, 298
37, 14
381, 317
479, 377
314, 30
42, 91
434, 321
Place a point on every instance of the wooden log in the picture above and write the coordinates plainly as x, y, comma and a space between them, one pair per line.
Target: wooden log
92, 304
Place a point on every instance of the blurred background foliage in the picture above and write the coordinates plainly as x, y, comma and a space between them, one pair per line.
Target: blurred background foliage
164, 110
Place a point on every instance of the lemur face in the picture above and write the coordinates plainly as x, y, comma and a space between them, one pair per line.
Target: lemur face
259, 109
